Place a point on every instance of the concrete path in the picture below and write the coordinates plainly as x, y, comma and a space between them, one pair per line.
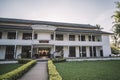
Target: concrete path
38, 72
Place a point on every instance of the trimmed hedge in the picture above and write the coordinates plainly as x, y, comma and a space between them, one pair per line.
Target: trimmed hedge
23, 61
57, 60
13, 75
53, 74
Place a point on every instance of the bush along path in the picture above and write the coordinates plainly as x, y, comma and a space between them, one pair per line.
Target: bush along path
38, 72
14, 74
53, 74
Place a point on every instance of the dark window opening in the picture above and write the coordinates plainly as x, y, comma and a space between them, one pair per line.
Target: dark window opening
58, 48
26, 52
11, 35
35, 36
59, 37
9, 52
72, 37
93, 38
27, 36
52, 37
83, 51
72, 52
79, 38
0, 35
82, 37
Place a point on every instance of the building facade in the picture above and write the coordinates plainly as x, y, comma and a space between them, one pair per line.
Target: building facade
34, 39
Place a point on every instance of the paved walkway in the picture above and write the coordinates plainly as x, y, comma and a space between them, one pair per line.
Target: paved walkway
38, 72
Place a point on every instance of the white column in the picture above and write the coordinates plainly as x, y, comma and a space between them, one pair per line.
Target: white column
65, 37
54, 36
76, 38
87, 51
66, 51
86, 37
2, 52
18, 51
16, 35
68, 36
97, 51
15, 52
77, 51
31, 50
106, 45
33, 35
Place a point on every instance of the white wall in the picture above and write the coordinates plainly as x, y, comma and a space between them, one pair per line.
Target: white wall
77, 51
2, 52
87, 51
44, 36
4, 35
106, 45
20, 34
66, 51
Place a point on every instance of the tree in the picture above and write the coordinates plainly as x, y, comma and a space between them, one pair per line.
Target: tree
116, 25
99, 27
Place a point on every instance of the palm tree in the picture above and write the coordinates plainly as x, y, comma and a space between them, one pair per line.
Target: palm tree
99, 27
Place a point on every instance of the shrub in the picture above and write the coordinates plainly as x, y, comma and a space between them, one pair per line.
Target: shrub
115, 50
13, 75
53, 74
57, 60
23, 61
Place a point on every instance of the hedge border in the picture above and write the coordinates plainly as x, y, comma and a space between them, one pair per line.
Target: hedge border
14, 74
53, 74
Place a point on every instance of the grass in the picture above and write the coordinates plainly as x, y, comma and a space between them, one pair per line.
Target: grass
89, 70
4, 68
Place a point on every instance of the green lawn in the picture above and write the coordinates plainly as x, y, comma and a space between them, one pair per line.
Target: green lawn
8, 67
89, 70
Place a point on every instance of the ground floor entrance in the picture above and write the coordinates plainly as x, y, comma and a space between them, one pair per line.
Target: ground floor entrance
42, 52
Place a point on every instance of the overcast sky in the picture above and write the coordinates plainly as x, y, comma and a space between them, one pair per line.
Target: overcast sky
72, 11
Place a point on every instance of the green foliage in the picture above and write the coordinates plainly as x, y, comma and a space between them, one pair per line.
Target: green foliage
23, 61
56, 60
4, 68
13, 75
115, 50
53, 74
89, 70
116, 25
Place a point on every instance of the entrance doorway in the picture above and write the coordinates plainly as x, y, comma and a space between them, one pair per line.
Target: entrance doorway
43, 52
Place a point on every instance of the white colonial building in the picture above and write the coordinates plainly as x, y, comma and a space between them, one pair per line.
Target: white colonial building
34, 39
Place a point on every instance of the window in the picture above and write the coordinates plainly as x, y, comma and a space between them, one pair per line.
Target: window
35, 36
92, 51
26, 52
27, 36
91, 38
72, 37
83, 51
82, 37
79, 37
59, 37
11, 35
58, 48
52, 37
0, 35
72, 51
9, 52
